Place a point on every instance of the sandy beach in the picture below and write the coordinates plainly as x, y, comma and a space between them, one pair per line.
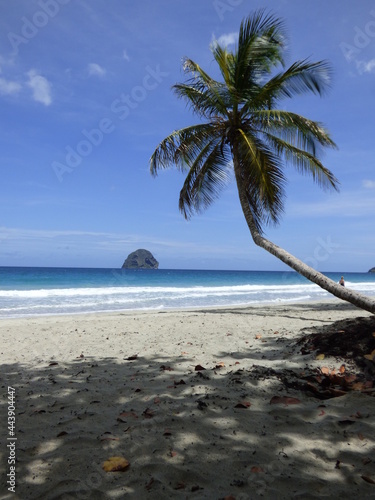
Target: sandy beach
197, 401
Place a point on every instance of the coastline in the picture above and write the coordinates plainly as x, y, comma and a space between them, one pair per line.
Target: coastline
92, 386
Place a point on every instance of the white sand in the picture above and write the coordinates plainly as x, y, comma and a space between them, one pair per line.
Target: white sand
80, 401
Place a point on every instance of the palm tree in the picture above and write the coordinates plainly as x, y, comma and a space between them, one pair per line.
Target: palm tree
243, 130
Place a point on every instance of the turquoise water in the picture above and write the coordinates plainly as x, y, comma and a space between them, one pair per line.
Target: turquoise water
28, 291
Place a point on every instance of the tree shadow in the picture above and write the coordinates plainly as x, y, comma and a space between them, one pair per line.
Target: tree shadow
188, 431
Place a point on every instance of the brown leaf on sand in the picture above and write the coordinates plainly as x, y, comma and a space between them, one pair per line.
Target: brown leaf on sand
172, 453
256, 469
342, 369
148, 413
285, 400
325, 370
370, 357
359, 386
258, 336
368, 479
320, 356
243, 404
221, 364
124, 416
180, 486
149, 484
199, 368
115, 464
350, 378
181, 382
166, 368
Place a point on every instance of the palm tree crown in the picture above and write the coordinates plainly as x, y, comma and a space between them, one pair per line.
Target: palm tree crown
242, 127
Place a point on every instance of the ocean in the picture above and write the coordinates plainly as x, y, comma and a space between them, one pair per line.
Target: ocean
30, 291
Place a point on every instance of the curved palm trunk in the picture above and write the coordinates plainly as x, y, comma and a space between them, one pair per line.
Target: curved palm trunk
355, 298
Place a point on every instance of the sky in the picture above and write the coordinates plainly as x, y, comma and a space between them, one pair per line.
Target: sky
85, 95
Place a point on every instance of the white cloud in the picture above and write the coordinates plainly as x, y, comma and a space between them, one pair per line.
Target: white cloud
40, 86
226, 39
125, 55
7, 87
368, 184
366, 66
96, 70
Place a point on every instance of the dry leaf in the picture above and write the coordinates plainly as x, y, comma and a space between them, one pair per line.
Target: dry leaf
199, 368
181, 382
115, 464
284, 400
368, 479
342, 369
325, 370
220, 365
149, 484
258, 336
358, 386
256, 469
180, 486
243, 404
320, 356
166, 368
125, 414
148, 413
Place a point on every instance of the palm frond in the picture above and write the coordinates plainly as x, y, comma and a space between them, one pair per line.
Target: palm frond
182, 146
301, 77
263, 176
207, 176
260, 45
299, 131
305, 162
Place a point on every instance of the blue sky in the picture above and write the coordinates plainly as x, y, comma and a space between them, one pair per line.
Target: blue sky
85, 93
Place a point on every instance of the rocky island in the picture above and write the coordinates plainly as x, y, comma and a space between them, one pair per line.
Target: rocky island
140, 259
372, 270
